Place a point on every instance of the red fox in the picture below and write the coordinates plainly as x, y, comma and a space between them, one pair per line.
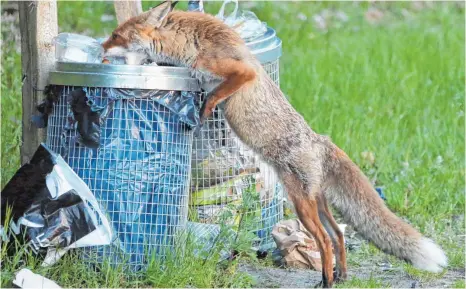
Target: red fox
312, 168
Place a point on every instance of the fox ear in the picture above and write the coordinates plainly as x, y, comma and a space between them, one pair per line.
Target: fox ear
156, 15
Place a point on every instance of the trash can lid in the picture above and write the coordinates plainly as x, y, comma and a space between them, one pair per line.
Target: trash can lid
266, 48
123, 76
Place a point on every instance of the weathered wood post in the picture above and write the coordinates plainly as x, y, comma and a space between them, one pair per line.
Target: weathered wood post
127, 9
38, 27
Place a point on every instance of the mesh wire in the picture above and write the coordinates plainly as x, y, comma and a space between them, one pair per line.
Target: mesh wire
228, 179
132, 191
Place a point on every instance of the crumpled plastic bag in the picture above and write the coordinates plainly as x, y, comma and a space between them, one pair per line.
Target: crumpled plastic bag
87, 118
247, 24
53, 207
211, 237
297, 246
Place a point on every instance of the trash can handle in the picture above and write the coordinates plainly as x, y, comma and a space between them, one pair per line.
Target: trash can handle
221, 12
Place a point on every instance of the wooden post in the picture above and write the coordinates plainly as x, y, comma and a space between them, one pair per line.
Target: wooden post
38, 27
127, 9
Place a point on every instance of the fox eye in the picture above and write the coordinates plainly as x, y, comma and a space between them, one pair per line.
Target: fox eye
114, 36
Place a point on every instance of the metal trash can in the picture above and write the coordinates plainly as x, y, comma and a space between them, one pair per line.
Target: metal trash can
141, 168
228, 178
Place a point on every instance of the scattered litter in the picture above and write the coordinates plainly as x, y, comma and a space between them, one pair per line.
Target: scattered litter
297, 247
301, 16
320, 22
328, 18
277, 258
107, 18
71, 47
385, 266
342, 16
374, 15
369, 157
380, 192
247, 24
53, 206
25, 278
353, 241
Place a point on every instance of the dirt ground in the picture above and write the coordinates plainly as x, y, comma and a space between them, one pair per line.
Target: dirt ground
378, 267
271, 277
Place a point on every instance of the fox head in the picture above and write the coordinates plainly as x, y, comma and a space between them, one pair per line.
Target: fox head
139, 34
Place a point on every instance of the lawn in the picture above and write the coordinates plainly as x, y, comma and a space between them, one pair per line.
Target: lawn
385, 81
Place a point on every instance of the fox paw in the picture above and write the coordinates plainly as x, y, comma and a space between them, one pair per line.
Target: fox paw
338, 276
206, 109
205, 114
322, 285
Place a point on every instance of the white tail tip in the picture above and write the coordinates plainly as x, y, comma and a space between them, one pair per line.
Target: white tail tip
430, 257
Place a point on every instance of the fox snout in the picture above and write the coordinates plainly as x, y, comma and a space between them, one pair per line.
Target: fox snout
131, 57
112, 48
109, 46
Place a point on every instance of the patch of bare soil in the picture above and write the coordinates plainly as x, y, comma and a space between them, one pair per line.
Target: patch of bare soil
272, 277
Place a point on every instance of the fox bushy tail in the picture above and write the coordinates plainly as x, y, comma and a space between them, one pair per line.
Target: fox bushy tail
349, 191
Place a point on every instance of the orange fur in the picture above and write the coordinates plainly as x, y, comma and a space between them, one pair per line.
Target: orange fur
236, 74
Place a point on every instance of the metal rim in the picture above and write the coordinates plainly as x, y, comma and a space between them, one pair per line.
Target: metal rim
124, 76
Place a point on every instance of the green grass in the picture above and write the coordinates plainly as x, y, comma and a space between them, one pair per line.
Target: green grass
358, 283
459, 284
395, 89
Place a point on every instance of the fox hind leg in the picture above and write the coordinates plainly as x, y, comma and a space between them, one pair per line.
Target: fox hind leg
306, 207
336, 235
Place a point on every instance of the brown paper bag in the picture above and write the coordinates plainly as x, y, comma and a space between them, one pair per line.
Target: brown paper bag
297, 246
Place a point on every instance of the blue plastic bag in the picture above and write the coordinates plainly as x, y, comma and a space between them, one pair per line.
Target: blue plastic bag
139, 171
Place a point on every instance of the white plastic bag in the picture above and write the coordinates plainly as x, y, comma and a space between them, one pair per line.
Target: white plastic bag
25, 278
247, 24
63, 179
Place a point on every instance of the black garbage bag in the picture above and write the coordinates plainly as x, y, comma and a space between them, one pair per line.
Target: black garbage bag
51, 206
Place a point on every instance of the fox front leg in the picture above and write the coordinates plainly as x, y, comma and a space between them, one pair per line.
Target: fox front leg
235, 73
207, 108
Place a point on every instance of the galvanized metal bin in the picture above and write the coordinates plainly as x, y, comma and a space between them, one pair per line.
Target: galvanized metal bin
140, 172
228, 179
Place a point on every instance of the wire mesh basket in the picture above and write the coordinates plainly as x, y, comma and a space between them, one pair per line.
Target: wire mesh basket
228, 178
141, 168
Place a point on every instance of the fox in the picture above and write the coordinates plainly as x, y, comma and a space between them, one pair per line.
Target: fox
313, 170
